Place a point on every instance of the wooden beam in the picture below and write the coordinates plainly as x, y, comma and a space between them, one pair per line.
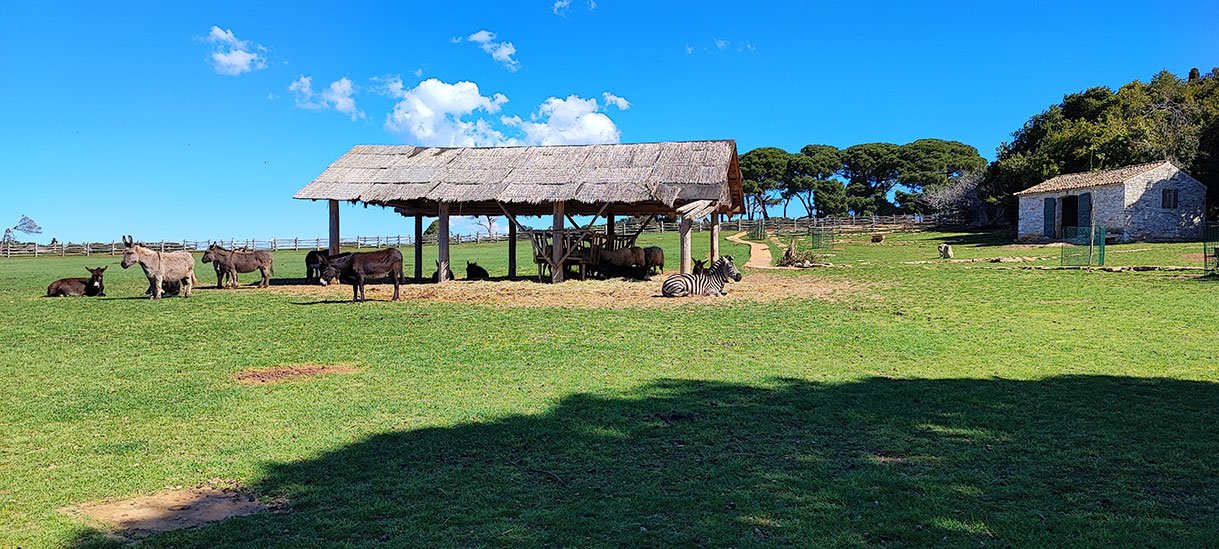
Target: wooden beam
610, 229
687, 263
443, 243
556, 244
334, 227
715, 237
511, 249
418, 247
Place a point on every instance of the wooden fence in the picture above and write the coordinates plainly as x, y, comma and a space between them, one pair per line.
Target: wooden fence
895, 223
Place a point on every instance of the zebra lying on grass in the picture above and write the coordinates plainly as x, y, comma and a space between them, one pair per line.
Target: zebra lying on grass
711, 282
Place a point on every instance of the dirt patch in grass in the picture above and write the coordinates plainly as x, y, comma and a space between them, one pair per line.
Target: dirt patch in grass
1198, 257
143, 516
611, 294
290, 371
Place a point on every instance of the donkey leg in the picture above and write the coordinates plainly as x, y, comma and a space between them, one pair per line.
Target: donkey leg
397, 280
156, 286
187, 284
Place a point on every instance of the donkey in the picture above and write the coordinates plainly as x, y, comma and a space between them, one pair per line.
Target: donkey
712, 282
236, 261
91, 286
313, 264
700, 267
654, 259
355, 268
160, 266
474, 271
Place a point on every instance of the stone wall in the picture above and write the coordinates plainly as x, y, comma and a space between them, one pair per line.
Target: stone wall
1108, 211
1149, 221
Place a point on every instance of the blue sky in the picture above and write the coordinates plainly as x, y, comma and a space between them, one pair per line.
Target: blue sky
173, 121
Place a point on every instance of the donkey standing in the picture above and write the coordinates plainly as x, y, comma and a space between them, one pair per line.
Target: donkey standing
356, 268
711, 282
160, 266
232, 262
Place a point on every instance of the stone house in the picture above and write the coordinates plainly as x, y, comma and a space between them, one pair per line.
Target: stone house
1148, 202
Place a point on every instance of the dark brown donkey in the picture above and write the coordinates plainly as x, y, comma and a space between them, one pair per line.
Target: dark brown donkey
91, 286
355, 268
236, 261
313, 264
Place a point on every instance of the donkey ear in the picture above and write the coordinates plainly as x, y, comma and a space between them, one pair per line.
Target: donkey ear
102, 269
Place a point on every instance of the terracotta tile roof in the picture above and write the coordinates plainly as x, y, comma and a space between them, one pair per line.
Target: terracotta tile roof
1087, 180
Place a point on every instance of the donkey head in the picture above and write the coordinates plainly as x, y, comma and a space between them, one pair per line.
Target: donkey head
209, 254
130, 254
331, 266
700, 266
97, 273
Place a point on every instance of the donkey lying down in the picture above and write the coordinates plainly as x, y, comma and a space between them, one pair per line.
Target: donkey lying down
92, 286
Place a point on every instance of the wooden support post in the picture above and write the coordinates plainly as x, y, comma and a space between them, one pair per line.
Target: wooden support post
715, 237
442, 236
334, 227
419, 247
687, 263
511, 249
610, 229
556, 244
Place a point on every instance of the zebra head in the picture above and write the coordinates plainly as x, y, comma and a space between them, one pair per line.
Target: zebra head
726, 269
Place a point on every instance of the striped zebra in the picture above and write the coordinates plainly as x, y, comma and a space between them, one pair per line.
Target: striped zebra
711, 282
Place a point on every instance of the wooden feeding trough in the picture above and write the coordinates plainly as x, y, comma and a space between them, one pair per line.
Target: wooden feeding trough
689, 180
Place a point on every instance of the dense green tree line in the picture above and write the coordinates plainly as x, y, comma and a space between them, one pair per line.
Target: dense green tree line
858, 179
1166, 118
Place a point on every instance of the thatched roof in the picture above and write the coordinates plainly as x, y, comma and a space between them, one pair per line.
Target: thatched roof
1087, 180
647, 177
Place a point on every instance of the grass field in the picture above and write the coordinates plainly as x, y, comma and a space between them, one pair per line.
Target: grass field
946, 404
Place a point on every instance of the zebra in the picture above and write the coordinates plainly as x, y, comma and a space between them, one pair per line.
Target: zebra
711, 282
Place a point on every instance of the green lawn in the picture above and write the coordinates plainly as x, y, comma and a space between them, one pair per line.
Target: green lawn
940, 404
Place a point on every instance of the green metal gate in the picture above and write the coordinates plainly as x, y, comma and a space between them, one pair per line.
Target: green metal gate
1210, 247
821, 238
1083, 246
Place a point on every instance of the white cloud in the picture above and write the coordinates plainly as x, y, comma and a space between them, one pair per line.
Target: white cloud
441, 114
232, 56
689, 49
571, 121
339, 96
561, 7
436, 113
419, 72
619, 102
721, 44
502, 52
747, 46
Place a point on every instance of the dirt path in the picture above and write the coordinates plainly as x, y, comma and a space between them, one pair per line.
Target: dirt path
759, 254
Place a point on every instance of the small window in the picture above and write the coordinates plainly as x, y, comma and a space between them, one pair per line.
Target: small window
1168, 199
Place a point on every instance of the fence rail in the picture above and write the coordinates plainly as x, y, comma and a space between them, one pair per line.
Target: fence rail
895, 223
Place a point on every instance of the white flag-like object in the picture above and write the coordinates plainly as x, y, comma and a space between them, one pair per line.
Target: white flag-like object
28, 226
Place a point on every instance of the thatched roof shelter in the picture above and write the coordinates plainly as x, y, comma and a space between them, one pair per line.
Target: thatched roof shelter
690, 179
636, 178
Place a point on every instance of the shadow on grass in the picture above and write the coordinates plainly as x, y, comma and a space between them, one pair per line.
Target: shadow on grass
994, 237
1077, 460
